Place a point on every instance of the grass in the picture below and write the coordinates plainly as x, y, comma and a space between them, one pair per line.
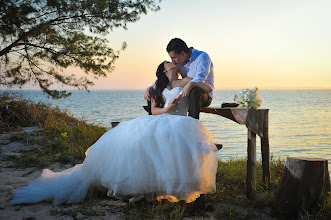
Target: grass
64, 139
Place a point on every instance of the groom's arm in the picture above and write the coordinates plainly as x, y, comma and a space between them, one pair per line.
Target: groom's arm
204, 86
203, 68
149, 92
203, 75
182, 82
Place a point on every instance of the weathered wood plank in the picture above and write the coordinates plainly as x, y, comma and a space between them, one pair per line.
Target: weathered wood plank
251, 164
255, 120
265, 150
238, 115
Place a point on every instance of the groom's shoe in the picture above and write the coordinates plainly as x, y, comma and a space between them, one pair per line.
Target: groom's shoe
219, 146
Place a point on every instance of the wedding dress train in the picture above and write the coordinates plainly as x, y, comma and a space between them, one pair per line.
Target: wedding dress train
170, 156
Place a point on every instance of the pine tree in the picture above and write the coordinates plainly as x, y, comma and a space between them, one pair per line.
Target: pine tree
40, 38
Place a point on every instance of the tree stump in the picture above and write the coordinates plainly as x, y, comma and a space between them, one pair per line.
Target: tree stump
305, 182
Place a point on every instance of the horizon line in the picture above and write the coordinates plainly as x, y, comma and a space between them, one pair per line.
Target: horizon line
140, 89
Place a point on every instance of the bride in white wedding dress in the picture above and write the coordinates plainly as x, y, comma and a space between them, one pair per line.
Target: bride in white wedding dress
163, 156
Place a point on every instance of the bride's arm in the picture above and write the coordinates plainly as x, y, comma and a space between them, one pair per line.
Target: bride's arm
154, 109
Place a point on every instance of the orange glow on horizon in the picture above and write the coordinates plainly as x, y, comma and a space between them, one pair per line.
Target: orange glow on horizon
268, 44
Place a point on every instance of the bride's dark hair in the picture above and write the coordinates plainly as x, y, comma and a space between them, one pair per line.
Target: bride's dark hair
161, 83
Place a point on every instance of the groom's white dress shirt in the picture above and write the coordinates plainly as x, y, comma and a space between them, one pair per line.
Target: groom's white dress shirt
199, 68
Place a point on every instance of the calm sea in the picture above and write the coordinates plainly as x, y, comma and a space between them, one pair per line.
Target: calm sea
299, 120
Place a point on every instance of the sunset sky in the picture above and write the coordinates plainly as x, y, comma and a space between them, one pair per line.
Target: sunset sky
263, 43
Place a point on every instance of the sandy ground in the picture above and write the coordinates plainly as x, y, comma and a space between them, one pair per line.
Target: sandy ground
12, 178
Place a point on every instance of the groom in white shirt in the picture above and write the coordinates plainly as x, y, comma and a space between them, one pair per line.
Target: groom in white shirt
197, 66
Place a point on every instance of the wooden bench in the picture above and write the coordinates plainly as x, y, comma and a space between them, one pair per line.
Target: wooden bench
257, 123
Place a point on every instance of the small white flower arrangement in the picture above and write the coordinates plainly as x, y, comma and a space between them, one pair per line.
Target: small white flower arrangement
248, 98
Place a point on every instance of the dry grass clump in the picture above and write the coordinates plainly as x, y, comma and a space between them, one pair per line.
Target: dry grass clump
62, 137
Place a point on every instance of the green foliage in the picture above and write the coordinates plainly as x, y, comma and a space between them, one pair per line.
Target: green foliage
63, 138
79, 135
323, 210
29, 160
231, 178
15, 112
40, 38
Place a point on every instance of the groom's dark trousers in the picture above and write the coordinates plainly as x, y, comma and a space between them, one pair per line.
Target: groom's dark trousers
197, 99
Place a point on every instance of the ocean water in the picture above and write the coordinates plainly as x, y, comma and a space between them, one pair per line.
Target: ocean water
299, 120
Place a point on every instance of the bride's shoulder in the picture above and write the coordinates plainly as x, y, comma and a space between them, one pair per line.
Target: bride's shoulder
176, 83
180, 88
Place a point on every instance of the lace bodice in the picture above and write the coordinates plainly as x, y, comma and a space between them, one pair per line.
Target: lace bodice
182, 107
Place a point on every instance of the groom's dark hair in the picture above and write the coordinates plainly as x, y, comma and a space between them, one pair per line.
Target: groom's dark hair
177, 45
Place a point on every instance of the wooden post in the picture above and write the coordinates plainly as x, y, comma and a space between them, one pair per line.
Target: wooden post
251, 164
265, 151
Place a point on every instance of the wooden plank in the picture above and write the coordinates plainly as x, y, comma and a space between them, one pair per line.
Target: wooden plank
265, 151
251, 165
255, 120
238, 115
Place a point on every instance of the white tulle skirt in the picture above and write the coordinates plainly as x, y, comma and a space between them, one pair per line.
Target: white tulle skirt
169, 156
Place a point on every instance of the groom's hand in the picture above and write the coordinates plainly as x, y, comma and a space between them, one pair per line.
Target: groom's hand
187, 89
177, 98
149, 92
